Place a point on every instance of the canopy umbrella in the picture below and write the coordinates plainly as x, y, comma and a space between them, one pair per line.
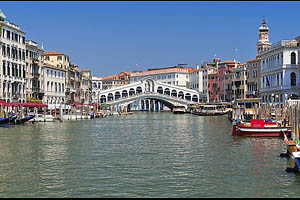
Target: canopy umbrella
3, 103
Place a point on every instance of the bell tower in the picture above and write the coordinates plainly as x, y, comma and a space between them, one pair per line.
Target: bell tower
263, 42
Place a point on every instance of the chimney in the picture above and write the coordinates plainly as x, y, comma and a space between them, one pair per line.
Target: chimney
197, 67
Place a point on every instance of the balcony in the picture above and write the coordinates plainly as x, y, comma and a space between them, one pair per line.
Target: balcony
35, 89
16, 96
35, 75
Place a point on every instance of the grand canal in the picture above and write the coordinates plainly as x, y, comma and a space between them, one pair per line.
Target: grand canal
141, 155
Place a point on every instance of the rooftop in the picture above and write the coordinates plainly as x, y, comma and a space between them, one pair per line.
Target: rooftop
53, 53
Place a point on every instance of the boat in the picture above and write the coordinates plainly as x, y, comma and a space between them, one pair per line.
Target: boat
250, 106
24, 119
43, 118
12, 120
125, 113
210, 110
179, 110
4, 120
115, 113
261, 127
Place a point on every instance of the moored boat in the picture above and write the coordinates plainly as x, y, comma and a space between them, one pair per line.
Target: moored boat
4, 120
125, 113
24, 119
179, 110
261, 127
210, 110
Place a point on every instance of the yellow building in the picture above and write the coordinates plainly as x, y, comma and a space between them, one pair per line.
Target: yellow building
239, 81
57, 59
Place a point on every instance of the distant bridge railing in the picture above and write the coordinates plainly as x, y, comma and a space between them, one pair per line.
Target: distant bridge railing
151, 95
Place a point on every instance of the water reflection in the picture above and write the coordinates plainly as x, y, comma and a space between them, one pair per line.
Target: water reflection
141, 155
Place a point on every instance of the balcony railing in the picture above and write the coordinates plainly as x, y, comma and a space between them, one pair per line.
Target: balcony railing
36, 89
35, 75
16, 95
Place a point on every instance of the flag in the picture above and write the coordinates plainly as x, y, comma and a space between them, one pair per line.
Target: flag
297, 143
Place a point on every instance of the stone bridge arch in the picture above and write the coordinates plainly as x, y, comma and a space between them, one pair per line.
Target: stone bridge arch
167, 94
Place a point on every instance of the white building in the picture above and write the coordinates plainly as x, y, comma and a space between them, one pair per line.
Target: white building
198, 83
177, 75
279, 71
12, 61
54, 85
96, 88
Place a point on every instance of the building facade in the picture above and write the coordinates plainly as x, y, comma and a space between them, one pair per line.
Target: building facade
86, 88
96, 89
60, 61
239, 81
54, 85
12, 61
279, 71
34, 72
115, 80
253, 81
176, 75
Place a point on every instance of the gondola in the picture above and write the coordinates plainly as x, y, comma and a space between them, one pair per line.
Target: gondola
24, 119
4, 120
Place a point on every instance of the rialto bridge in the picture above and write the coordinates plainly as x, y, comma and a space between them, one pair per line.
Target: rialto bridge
147, 95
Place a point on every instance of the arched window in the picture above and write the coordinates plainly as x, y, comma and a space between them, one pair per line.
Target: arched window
139, 90
188, 96
103, 99
180, 95
195, 98
131, 92
110, 97
160, 90
293, 58
117, 95
293, 79
167, 91
174, 93
124, 93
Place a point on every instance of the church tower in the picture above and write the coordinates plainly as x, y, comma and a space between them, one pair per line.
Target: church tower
263, 42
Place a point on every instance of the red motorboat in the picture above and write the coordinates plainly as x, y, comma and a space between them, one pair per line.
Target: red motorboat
261, 127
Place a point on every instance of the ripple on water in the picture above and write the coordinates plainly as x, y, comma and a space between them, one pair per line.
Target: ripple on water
141, 155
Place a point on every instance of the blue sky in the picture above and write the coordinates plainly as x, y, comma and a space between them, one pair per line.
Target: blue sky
111, 37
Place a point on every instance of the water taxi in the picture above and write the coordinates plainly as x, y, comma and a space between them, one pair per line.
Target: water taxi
261, 127
210, 110
179, 110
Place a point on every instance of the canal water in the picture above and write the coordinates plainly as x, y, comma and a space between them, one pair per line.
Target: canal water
141, 155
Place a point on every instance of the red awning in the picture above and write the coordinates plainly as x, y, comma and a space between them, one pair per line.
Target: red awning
12, 104
3, 103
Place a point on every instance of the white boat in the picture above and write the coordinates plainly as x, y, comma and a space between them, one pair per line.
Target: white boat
75, 117
210, 110
115, 113
43, 118
179, 110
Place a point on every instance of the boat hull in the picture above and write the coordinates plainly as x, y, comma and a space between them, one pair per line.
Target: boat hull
208, 114
178, 112
262, 131
4, 120
23, 120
